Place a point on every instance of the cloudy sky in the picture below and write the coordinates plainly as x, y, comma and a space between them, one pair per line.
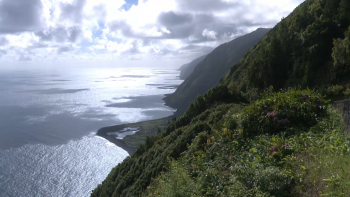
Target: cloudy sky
127, 32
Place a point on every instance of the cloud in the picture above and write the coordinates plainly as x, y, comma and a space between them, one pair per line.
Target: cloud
3, 52
73, 11
123, 27
42, 45
23, 57
3, 41
20, 15
209, 34
172, 19
118, 30
206, 5
64, 49
60, 34
197, 27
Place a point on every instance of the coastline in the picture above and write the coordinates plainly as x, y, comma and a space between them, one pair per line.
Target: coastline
131, 142
111, 138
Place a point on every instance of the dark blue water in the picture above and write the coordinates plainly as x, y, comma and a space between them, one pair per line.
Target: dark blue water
48, 119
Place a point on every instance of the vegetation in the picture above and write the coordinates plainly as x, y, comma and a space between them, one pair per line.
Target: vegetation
208, 72
298, 51
134, 174
310, 162
254, 135
146, 128
341, 52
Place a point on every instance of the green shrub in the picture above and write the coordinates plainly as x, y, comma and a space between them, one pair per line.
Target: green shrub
283, 111
347, 93
341, 52
174, 183
334, 90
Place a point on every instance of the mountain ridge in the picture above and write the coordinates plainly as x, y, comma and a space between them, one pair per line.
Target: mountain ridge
208, 72
187, 69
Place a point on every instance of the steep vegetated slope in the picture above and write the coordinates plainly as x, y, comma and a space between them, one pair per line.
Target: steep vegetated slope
187, 69
298, 51
211, 69
228, 144
134, 174
286, 144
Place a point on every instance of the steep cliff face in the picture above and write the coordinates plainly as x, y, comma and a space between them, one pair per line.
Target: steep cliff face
208, 72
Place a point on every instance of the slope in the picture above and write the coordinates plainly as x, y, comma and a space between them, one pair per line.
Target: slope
261, 144
298, 51
214, 67
187, 69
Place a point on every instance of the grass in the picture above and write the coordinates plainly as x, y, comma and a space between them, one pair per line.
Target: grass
323, 167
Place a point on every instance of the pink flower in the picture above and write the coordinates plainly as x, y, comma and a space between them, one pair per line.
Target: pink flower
271, 114
285, 146
273, 150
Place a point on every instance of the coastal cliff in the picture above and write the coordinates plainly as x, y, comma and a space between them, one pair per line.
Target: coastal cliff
267, 129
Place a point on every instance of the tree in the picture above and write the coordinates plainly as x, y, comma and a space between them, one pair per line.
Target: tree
341, 52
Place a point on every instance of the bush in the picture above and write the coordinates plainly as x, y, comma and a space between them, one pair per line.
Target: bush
341, 52
174, 183
283, 111
347, 93
334, 90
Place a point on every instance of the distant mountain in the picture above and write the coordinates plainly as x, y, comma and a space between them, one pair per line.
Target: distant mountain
187, 69
182, 67
210, 69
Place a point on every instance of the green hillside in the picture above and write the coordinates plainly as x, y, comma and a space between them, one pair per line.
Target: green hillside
298, 51
208, 72
187, 69
233, 141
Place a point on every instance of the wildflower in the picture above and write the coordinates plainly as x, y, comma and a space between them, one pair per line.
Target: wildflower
271, 114
285, 146
273, 150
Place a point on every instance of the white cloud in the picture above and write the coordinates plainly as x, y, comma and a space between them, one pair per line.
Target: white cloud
209, 34
152, 29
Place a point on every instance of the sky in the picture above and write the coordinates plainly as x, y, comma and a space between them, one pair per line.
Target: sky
153, 33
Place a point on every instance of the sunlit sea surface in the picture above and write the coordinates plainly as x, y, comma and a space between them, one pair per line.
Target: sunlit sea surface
48, 120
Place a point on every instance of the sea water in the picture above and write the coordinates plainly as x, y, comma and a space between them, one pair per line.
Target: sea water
48, 120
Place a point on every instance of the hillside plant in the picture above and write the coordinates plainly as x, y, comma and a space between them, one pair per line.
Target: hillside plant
310, 161
283, 111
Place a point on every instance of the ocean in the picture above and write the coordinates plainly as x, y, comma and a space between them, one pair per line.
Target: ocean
49, 117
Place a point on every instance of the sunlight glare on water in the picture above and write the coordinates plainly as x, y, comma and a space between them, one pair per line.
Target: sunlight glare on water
46, 120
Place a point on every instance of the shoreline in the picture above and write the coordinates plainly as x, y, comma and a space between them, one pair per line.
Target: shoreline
111, 138
146, 128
